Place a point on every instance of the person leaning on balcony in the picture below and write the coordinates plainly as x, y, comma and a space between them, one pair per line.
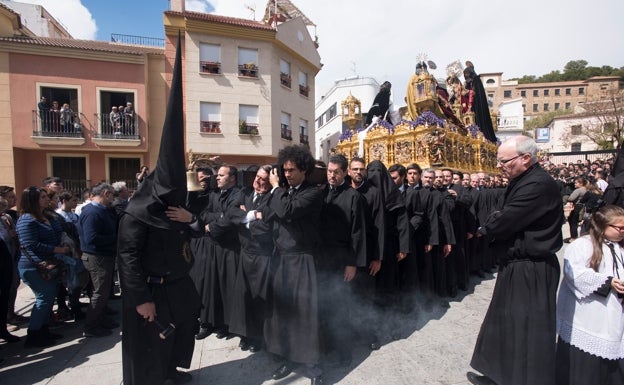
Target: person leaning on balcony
115, 120
128, 119
44, 114
66, 117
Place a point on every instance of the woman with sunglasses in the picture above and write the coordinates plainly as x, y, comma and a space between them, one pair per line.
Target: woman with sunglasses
40, 238
590, 307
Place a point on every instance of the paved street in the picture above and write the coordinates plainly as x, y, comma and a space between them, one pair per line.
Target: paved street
434, 348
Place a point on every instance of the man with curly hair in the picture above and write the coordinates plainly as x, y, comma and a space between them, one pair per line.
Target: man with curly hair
292, 329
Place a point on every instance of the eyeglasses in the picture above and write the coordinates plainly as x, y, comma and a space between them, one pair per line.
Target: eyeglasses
619, 229
505, 161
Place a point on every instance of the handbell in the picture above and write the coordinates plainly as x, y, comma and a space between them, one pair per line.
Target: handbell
191, 181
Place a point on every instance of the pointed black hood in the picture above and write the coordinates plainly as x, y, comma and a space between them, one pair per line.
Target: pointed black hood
166, 185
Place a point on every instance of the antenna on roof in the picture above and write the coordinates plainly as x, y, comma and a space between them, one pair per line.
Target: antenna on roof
252, 9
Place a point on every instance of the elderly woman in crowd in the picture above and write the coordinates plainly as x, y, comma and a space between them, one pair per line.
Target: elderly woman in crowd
40, 239
590, 313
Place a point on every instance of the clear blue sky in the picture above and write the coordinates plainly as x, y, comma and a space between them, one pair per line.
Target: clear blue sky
130, 17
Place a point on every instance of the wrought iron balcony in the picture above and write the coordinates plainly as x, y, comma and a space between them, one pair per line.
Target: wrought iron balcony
245, 128
249, 70
55, 124
126, 127
303, 139
210, 67
286, 132
304, 90
211, 127
137, 40
285, 79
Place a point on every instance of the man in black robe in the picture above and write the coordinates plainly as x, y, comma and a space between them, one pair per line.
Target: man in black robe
154, 260
423, 218
516, 344
251, 288
343, 224
443, 269
291, 330
457, 258
221, 248
364, 282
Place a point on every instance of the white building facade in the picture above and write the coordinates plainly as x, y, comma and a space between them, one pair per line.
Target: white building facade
328, 112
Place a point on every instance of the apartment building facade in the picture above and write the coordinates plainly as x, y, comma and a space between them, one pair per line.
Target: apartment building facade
248, 85
39, 138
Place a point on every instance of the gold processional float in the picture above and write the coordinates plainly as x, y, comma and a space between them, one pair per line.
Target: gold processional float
432, 132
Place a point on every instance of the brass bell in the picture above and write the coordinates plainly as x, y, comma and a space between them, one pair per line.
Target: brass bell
192, 184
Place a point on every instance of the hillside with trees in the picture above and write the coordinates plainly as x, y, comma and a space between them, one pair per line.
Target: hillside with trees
574, 70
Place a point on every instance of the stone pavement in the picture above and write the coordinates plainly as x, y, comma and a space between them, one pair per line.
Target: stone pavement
434, 347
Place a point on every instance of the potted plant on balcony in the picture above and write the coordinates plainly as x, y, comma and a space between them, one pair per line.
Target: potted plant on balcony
212, 67
303, 90
285, 79
249, 69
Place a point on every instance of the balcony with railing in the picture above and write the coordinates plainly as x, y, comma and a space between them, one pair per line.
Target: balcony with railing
210, 127
56, 127
304, 90
210, 67
303, 139
245, 128
286, 132
285, 79
138, 40
113, 131
249, 70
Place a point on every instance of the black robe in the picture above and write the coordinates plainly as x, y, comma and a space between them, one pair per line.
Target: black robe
251, 288
216, 255
416, 269
516, 343
343, 230
291, 330
442, 267
145, 251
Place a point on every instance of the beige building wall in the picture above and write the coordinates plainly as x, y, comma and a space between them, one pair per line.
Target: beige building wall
7, 163
540, 98
291, 42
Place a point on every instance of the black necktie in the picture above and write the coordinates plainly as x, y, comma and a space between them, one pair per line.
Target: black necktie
291, 190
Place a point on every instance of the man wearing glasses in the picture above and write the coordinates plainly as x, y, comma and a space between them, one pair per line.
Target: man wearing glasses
516, 344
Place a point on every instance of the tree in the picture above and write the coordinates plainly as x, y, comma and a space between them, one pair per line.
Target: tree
603, 121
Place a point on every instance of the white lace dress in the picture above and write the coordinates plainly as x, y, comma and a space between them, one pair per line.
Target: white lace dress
590, 316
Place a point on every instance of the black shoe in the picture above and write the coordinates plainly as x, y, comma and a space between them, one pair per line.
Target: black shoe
96, 332
179, 377
253, 348
453, 292
282, 371
243, 344
476, 379
203, 333
317, 380
480, 273
36, 339
375, 345
108, 323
